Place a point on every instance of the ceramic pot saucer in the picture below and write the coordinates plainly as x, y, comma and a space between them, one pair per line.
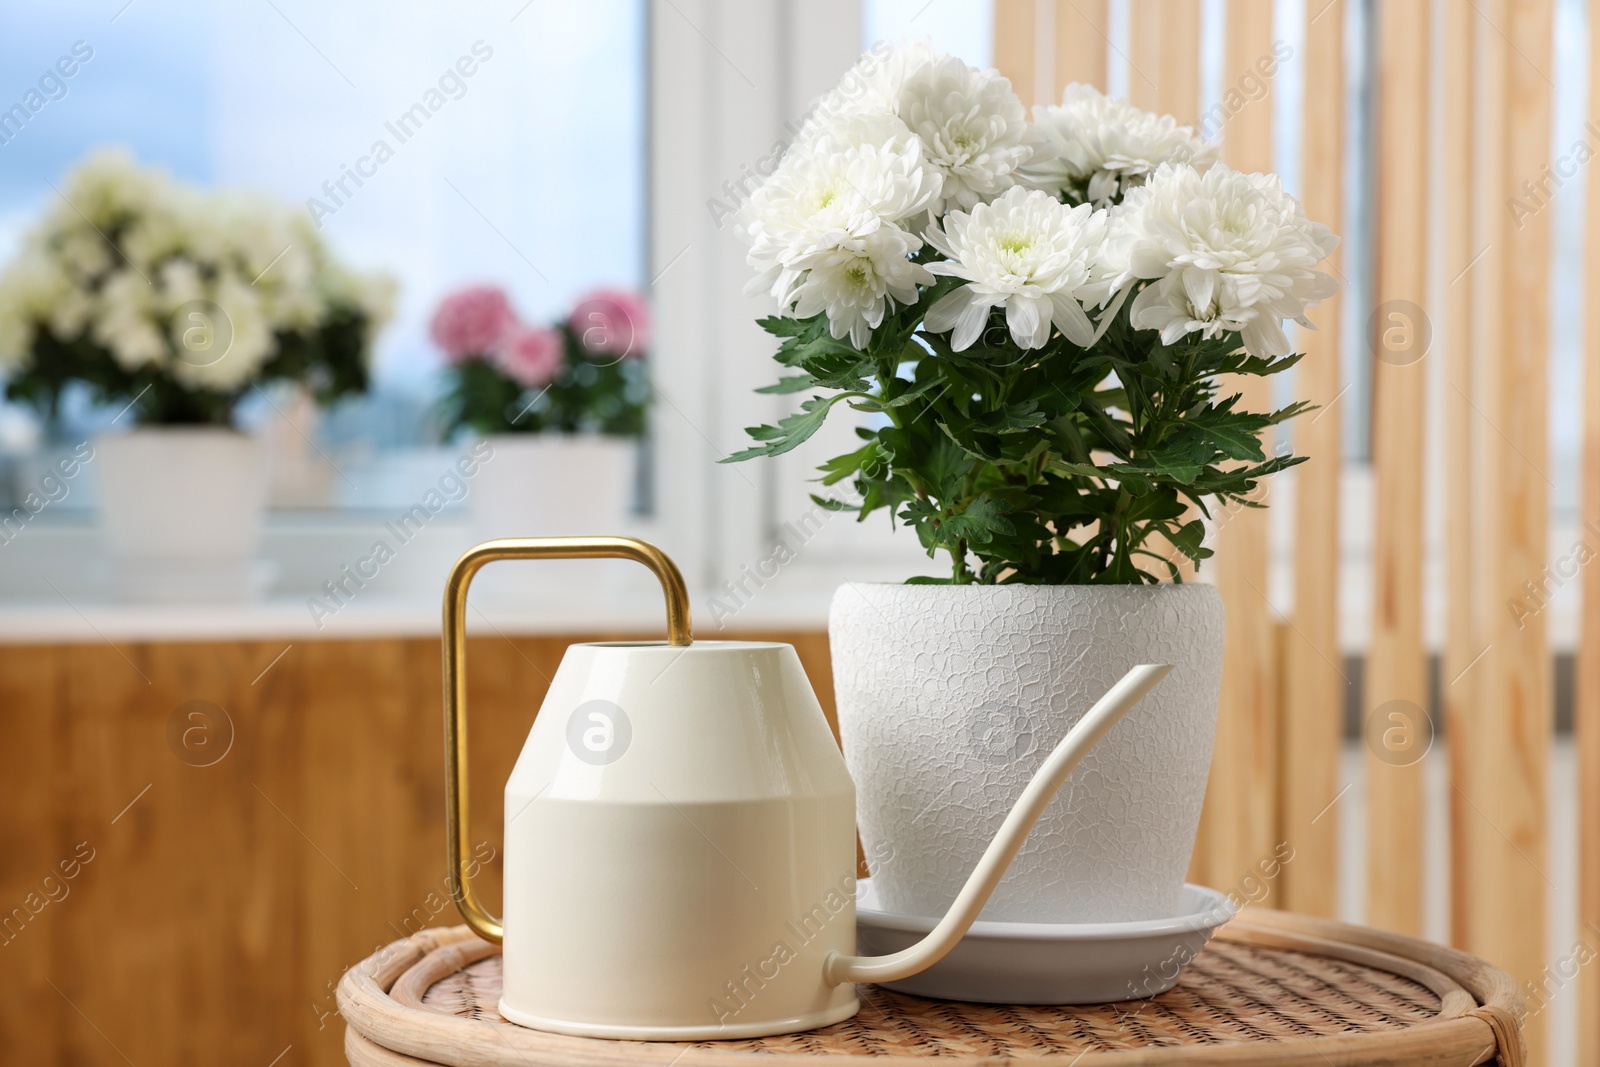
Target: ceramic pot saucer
1049, 963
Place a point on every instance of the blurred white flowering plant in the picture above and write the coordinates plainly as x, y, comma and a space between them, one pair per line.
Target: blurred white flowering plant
1041, 314
178, 300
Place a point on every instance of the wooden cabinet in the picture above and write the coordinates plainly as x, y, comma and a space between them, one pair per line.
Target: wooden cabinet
213, 906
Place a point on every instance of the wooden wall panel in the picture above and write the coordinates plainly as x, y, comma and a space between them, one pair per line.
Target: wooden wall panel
1501, 892
1394, 706
1314, 682
1164, 57
223, 902
1241, 822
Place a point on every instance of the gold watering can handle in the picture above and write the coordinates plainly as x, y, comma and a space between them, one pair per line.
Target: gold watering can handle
457, 807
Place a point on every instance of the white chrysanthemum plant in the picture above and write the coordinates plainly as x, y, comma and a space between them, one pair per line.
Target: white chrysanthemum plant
178, 301
1042, 314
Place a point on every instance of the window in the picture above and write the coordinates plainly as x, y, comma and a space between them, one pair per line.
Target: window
529, 172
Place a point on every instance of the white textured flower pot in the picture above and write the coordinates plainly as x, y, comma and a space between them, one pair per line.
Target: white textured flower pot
181, 509
950, 697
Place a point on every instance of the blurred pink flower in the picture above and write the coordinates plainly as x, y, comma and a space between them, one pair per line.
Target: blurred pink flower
470, 323
528, 355
614, 322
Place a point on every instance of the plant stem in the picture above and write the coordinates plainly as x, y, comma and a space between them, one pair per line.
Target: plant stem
959, 574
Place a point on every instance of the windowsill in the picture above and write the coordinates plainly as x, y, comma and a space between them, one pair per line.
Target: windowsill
54, 582
32, 621
55, 587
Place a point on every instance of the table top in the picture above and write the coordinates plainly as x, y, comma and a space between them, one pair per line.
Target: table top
1271, 988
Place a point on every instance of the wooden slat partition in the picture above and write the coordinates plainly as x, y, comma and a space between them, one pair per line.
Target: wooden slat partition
1459, 346
1394, 705
1586, 714
1016, 50
1042, 45
1502, 891
1163, 74
1277, 757
1241, 818
1164, 56
1472, 750
1314, 681
1082, 43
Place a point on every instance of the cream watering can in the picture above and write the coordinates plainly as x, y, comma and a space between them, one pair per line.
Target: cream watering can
680, 841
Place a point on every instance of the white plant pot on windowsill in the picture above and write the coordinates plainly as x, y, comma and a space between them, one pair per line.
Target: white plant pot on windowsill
552, 485
180, 512
949, 698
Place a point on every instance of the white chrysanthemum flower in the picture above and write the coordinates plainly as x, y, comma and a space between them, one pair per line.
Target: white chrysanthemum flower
180, 282
84, 253
110, 186
1226, 252
37, 293
372, 295
107, 198
872, 86
31, 290
70, 313
822, 229
126, 322
860, 170
238, 327
105, 192
163, 231
16, 339
1093, 147
971, 125
1027, 251
148, 269
854, 278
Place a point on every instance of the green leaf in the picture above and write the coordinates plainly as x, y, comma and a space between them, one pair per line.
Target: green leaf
796, 384
980, 522
1053, 465
1187, 538
944, 465
841, 467
782, 325
1234, 438
791, 432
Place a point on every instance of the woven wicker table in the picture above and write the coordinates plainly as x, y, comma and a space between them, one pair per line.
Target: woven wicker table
1272, 988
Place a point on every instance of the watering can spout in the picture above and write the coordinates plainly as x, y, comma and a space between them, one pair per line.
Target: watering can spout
1117, 702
